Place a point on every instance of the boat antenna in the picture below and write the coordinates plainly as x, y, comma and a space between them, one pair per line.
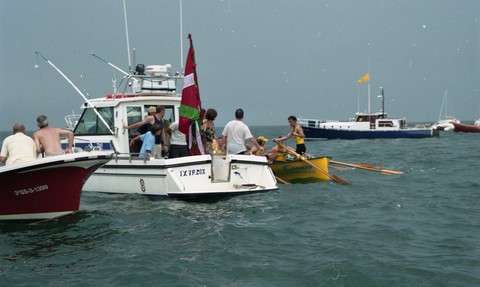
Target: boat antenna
111, 65
76, 89
181, 36
126, 34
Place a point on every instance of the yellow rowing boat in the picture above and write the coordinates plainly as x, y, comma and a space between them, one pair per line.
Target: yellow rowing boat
300, 171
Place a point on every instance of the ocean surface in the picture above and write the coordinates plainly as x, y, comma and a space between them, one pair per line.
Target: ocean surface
421, 228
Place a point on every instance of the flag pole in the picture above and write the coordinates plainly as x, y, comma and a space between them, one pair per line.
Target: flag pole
181, 35
358, 100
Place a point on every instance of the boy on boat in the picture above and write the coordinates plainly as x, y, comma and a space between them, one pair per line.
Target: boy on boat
148, 140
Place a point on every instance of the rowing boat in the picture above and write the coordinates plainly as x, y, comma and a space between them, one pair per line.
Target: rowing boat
299, 171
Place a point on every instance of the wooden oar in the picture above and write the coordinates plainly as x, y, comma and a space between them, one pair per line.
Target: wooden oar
331, 176
371, 165
282, 180
339, 168
384, 171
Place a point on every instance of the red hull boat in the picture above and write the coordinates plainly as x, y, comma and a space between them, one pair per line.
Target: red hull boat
46, 188
466, 128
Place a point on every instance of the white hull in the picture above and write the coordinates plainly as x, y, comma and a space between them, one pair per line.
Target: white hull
187, 176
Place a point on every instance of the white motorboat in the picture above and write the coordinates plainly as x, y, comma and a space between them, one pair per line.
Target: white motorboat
100, 127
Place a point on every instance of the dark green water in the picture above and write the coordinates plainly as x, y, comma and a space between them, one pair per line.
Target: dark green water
420, 228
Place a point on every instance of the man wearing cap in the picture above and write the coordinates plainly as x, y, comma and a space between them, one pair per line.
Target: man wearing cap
47, 138
18, 147
146, 123
261, 140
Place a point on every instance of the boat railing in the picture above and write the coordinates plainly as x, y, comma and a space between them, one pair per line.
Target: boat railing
142, 83
311, 123
71, 121
131, 157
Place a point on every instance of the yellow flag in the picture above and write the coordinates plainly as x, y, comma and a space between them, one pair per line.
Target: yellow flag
364, 78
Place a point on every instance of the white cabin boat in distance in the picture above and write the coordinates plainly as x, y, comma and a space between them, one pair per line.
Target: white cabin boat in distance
100, 127
371, 125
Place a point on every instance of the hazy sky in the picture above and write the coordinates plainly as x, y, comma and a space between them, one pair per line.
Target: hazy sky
273, 58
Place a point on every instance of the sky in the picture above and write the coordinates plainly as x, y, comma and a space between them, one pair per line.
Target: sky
273, 58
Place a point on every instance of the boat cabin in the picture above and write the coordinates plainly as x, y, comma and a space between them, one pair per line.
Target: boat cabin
101, 124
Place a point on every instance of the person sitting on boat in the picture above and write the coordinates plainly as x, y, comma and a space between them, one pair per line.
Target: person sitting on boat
234, 135
178, 142
47, 138
18, 147
278, 153
261, 140
149, 121
297, 133
148, 140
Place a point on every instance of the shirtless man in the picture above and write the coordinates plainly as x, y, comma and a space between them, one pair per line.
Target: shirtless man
47, 139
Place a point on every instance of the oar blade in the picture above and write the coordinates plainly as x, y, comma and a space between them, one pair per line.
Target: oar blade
339, 179
383, 171
282, 180
386, 171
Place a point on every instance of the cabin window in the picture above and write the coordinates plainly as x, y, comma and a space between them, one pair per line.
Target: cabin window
384, 124
90, 124
169, 114
134, 115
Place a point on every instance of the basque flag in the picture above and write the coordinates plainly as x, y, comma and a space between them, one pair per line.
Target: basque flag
191, 106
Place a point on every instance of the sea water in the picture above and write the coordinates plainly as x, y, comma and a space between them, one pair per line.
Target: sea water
421, 228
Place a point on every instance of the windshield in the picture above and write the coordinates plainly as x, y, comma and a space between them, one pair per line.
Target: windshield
91, 124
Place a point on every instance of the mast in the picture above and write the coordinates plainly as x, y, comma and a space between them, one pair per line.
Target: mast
382, 96
126, 33
368, 85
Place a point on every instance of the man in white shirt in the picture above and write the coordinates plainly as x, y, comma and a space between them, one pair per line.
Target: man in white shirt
18, 148
235, 133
